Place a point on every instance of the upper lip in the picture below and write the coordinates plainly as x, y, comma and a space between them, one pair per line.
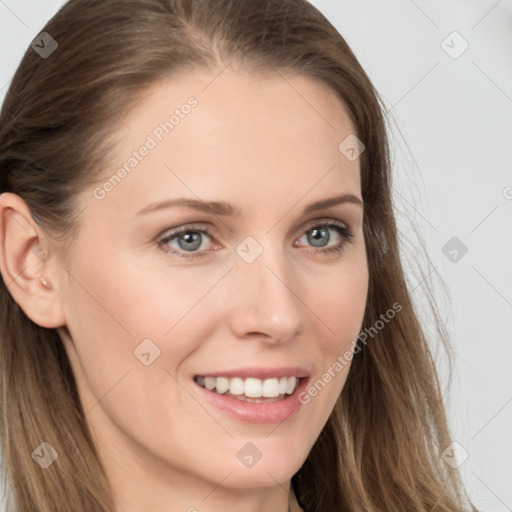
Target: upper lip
260, 372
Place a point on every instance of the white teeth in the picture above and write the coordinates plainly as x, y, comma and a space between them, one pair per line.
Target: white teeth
250, 387
283, 381
210, 382
253, 388
292, 381
236, 386
222, 385
271, 388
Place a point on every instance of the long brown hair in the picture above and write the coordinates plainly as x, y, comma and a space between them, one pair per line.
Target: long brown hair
381, 448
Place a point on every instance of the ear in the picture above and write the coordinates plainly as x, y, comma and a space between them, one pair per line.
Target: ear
29, 263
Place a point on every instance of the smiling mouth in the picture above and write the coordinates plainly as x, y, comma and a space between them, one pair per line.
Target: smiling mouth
250, 389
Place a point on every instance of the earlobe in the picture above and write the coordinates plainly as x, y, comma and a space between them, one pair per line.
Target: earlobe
28, 264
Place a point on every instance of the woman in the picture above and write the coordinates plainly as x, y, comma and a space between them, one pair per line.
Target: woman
176, 335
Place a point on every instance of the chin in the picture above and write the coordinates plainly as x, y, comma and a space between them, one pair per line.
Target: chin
278, 468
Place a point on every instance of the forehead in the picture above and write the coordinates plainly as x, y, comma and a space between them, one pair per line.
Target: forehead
225, 132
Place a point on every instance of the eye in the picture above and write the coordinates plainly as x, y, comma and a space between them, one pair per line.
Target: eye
191, 240
318, 235
187, 239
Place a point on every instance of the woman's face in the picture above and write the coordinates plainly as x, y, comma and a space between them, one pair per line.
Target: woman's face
260, 287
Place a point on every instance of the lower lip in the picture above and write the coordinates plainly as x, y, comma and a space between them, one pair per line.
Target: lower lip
264, 412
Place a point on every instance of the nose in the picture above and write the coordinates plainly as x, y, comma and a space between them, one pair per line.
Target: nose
265, 300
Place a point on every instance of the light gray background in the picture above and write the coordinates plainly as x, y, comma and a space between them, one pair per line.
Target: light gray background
451, 129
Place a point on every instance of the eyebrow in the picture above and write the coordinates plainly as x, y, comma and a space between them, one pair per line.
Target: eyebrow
226, 209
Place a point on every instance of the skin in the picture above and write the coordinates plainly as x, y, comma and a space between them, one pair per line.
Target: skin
269, 150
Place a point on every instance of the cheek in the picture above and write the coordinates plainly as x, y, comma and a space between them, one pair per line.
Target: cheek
120, 318
339, 313
135, 300
117, 312
341, 305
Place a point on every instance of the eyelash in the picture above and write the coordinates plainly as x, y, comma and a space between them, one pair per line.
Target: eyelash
341, 228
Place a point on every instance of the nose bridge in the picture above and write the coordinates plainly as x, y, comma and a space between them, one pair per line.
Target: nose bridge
264, 293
